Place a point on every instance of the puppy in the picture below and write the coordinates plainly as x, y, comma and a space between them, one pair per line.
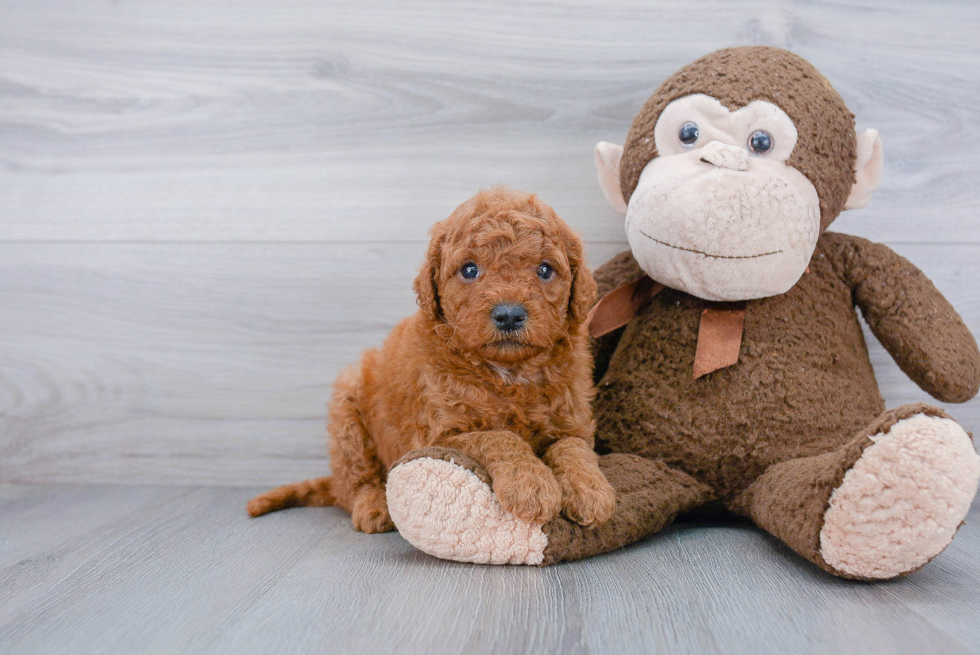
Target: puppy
495, 365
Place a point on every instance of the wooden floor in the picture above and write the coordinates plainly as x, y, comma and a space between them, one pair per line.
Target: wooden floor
209, 207
145, 569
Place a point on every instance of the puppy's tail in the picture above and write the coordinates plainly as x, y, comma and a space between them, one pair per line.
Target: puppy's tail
315, 492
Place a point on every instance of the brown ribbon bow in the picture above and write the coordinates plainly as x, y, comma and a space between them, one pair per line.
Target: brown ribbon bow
719, 333
619, 306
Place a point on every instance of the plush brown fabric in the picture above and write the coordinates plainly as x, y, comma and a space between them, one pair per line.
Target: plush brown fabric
913, 321
826, 149
649, 495
772, 436
791, 498
803, 384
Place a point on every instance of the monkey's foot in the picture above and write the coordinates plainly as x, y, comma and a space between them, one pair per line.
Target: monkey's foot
442, 503
903, 500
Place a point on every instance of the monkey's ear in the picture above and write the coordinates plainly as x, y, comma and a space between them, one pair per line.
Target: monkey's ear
426, 284
607, 158
867, 169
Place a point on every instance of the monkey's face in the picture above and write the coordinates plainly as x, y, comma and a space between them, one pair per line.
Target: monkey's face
719, 214
733, 168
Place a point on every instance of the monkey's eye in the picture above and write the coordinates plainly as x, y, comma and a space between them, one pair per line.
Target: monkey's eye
689, 133
760, 142
469, 271
545, 271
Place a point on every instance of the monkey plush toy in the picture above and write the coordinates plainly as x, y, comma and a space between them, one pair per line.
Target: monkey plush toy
730, 364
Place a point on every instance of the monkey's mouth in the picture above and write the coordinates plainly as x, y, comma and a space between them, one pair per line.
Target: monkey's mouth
708, 254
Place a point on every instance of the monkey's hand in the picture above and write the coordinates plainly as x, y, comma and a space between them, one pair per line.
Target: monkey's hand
912, 320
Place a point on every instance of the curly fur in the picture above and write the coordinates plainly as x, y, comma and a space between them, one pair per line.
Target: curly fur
517, 403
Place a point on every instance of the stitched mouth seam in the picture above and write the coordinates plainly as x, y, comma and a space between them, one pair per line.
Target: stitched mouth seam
699, 252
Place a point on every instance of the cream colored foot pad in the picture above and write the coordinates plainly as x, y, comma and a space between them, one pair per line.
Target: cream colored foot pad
903, 500
446, 511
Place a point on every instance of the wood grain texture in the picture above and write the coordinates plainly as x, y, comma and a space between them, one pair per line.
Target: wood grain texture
318, 120
183, 570
208, 208
212, 362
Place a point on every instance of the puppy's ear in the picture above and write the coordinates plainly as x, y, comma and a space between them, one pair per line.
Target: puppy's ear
583, 293
427, 282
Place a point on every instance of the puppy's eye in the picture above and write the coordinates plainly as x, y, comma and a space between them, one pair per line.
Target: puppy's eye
689, 133
545, 271
469, 271
760, 142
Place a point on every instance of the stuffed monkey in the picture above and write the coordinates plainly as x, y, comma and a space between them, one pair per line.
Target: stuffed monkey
730, 364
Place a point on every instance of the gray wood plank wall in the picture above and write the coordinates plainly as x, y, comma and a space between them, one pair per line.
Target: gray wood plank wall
208, 208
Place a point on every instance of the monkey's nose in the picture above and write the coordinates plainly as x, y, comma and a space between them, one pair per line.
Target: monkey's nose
723, 155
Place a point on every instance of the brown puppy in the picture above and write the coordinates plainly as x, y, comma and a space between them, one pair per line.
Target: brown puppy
494, 365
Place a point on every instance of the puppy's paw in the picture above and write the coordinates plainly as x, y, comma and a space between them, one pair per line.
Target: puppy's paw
587, 498
526, 489
370, 511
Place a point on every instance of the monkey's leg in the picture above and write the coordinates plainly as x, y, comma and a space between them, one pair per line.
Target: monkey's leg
443, 504
882, 505
649, 496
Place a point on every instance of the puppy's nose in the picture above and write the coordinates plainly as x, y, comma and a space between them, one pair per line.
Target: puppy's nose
509, 317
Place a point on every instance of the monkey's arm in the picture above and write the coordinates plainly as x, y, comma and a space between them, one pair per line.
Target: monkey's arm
912, 320
619, 270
